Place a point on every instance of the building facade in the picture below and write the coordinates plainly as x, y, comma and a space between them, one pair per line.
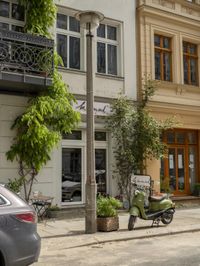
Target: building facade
64, 176
169, 49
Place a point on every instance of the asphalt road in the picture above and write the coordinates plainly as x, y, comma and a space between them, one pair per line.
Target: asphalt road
175, 250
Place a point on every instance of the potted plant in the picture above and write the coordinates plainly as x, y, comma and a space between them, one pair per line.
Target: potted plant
53, 211
107, 215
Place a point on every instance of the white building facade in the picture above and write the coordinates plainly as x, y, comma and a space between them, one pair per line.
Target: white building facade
64, 176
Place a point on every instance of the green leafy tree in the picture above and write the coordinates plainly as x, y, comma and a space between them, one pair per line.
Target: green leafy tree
137, 137
48, 115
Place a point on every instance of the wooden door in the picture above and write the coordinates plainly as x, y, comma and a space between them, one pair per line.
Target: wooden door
177, 172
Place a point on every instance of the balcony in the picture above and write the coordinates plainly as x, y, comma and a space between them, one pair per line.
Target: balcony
26, 62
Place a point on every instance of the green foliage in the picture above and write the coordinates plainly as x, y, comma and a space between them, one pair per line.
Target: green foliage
107, 206
40, 16
15, 184
137, 137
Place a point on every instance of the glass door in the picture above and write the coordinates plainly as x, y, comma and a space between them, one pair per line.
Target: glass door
100, 170
177, 170
71, 175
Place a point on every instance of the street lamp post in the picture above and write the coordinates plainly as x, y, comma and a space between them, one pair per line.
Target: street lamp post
90, 20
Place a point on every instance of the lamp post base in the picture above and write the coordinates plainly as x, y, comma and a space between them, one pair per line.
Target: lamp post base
90, 210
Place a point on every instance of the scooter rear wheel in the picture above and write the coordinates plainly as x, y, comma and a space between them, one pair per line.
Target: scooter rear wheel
167, 218
131, 222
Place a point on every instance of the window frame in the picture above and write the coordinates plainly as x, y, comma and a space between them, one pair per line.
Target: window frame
68, 33
108, 42
161, 51
189, 56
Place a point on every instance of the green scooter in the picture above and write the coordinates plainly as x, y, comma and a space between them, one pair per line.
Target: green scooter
157, 209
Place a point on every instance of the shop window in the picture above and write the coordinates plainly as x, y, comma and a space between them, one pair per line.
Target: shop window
179, 169
163, 58
192, 137
190, 63
180, 137
170, 137
107, 49
68, 40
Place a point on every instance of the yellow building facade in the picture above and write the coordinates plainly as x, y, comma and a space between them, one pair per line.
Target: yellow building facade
168, 43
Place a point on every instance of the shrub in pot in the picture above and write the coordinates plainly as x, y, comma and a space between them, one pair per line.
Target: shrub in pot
107, 214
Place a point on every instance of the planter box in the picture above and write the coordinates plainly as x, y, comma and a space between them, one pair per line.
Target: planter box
107, 224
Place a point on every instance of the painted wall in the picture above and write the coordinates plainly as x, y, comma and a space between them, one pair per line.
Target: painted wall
10, 108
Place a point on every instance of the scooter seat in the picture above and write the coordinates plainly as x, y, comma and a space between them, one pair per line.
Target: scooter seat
157, 198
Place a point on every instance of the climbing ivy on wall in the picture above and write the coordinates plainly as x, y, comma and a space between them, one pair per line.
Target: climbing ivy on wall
40, 16
48, 115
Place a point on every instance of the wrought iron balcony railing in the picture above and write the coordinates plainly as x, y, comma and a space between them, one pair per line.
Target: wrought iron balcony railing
26, 58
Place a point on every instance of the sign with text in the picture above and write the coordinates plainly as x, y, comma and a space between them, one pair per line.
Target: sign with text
100, 108
141, 180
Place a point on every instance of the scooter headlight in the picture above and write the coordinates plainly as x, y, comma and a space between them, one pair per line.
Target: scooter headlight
137, 192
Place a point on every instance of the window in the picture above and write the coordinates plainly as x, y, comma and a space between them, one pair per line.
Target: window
12, 16
100, 136
2, 201
190, 62
75, 135
107, 48
68, 40
163, 69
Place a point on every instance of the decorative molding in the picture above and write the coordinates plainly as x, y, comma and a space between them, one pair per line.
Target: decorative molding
178, 7
168, 4
180, 90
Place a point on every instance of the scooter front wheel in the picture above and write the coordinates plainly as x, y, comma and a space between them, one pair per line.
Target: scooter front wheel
167, 218
131, 222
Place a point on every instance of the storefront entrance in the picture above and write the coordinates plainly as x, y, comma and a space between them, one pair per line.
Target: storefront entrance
179, 169
74, 166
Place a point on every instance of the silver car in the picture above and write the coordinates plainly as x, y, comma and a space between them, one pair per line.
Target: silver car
19, 242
